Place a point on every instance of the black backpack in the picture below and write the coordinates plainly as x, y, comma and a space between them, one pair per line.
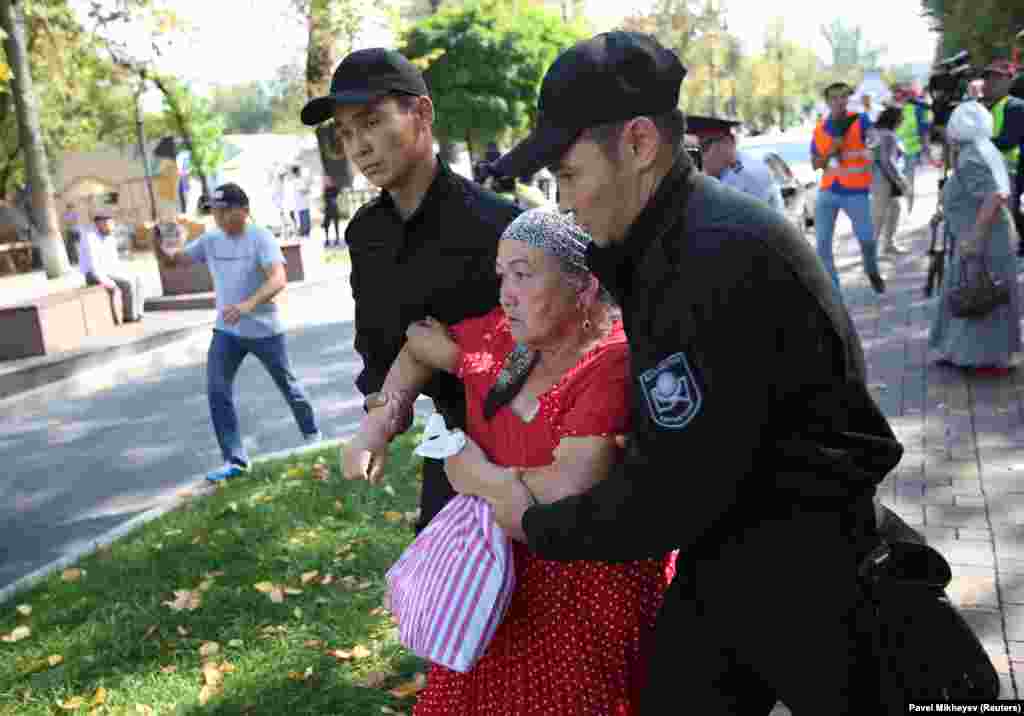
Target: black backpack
923, 648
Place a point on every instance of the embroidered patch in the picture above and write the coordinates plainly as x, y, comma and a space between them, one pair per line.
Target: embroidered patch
673, 397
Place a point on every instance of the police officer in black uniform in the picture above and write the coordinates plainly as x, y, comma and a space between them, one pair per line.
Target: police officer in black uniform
756, 447
426, 246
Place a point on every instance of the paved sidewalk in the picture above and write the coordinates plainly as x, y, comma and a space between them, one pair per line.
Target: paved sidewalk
961, 479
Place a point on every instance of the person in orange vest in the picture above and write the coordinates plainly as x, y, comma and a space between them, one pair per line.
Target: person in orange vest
839, 147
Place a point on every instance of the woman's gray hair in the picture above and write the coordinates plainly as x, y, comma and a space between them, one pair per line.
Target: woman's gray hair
555, 233
559, 235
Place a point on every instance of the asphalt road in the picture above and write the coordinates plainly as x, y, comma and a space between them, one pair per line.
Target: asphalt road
83, 456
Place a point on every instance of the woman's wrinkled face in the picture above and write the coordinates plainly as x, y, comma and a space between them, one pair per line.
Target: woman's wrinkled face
537, 298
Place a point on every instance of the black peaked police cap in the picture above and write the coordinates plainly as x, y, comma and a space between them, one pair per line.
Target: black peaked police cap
363, 76
611, 77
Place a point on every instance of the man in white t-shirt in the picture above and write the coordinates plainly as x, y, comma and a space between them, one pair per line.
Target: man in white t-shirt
99, 261
303, 190
247, 267
721, 159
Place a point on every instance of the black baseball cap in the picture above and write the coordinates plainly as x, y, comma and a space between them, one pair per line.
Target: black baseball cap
228, 196
363, 76
611, 77
710, 128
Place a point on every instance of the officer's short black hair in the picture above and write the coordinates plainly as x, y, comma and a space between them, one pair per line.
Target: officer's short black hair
671, 126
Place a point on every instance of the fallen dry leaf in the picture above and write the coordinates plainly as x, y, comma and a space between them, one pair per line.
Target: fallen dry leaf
208, 692
340, 654
213, 575
183, 631
185, 599
212, 675
19, 633
308, 577
301, 675
72, 704
264, 587
327, 579
169, 669
208, 649
72, 575
54, 660
338, 505
292, 591
313, 644
392, 516
360, 652
277, 595
24, 610
100, 697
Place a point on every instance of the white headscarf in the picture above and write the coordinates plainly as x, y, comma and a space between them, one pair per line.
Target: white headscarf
971, 123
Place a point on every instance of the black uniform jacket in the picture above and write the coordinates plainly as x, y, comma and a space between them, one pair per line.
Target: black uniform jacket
440, 262
749, 395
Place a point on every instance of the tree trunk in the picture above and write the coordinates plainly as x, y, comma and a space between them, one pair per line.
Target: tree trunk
186, 135
48, 239
320, 60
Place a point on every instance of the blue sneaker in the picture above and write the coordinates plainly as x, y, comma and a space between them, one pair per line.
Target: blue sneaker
227, 472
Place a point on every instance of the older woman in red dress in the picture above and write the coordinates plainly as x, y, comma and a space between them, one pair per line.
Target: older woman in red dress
547, 389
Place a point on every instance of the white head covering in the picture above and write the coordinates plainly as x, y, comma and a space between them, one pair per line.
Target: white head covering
971, 123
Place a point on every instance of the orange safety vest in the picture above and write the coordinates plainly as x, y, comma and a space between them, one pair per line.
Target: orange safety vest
854, 170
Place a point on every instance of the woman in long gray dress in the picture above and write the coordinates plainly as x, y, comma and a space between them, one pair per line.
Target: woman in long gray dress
979, 233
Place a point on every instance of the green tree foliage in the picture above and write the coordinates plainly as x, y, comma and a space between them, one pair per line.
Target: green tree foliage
850, 47
986, 28
484, 63
245, 108
199, 127
81, 95
287, 96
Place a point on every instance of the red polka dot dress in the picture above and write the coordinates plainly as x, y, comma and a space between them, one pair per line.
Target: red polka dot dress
570, 643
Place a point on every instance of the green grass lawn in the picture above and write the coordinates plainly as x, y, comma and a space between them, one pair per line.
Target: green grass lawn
286, 576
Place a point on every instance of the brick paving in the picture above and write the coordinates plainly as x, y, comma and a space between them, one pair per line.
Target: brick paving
961, 479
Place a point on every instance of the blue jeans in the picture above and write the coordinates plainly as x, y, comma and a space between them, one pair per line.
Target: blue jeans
224, 357
858, 208
304, 225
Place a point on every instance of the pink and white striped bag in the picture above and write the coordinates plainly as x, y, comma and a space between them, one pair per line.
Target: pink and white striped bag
450, 588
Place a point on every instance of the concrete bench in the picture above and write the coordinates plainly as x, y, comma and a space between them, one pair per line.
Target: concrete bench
54, 323
303, 262
15, 257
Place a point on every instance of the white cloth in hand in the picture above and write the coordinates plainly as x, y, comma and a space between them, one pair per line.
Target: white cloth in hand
438, 441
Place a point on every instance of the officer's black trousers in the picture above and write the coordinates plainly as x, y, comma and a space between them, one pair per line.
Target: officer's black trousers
774, 617
436, 491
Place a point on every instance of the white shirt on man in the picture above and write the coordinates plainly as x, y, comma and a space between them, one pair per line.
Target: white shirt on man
97, 254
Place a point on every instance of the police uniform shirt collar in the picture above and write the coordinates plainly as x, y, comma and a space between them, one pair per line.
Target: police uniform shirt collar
431, 199
614, 264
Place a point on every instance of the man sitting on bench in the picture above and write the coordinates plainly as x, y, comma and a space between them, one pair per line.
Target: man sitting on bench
99, 261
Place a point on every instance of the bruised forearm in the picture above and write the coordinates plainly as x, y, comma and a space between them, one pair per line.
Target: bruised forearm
574, 471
